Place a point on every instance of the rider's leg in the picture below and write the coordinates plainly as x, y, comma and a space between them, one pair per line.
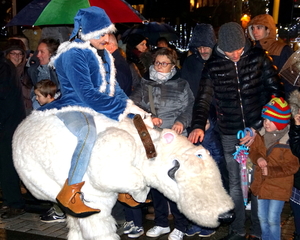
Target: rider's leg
82, 125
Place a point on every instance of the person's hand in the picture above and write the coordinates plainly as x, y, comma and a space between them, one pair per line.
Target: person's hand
248, 140
136, 110
262, 163
157, 121
178, 127
264, 171
297, 118
196, 135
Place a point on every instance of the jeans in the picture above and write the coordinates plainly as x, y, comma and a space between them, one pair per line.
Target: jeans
296, 210
235, 191
82, 125
269, 213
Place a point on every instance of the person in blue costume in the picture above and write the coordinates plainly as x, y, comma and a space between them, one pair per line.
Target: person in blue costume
86, 73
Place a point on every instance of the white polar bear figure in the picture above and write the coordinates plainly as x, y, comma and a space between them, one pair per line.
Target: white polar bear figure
184, 173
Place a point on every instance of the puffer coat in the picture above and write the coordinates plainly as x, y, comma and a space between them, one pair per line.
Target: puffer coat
239, 90
173, 100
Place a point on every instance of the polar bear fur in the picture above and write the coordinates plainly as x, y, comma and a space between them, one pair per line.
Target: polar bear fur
42, 150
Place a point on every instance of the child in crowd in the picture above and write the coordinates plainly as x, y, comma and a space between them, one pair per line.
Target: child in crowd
45, 91
294, 134
275, 166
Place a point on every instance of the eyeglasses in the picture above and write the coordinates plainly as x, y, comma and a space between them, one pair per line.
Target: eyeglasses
16, 54
163, 64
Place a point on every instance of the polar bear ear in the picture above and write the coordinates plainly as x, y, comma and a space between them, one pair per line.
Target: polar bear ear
169, 137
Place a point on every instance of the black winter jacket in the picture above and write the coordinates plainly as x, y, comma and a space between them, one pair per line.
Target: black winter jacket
239, 90
294, 135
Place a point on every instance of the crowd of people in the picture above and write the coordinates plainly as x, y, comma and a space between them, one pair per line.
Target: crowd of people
227, 83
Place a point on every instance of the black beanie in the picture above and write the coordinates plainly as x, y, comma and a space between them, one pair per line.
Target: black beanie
135, 39
203, 35
231, 37
14, 44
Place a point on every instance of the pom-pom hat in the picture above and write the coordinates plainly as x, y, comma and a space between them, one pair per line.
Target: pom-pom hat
278, 111
92, 23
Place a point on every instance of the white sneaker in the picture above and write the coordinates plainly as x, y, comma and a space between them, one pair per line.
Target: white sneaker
156, 231
176, 235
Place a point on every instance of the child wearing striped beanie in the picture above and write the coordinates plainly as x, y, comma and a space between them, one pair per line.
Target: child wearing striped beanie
277, 111
275, 166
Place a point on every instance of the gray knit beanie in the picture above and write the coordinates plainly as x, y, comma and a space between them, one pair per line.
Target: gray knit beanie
231, 37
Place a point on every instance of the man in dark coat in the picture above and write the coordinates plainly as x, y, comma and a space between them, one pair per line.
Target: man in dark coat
123, 75
12, 112
240, 80
201, 46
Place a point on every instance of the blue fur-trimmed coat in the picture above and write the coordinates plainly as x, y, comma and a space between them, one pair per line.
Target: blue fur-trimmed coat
87, 81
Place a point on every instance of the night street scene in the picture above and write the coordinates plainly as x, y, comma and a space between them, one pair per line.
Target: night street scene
149, 119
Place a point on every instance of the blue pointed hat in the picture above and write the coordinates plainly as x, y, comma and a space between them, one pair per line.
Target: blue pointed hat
92, 22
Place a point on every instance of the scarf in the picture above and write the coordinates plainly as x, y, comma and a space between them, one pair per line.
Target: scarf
271, 138
160, 77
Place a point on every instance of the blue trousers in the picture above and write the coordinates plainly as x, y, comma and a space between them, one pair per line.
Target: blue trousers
82, 125
161, 211
269, 213
135, 215
296, 210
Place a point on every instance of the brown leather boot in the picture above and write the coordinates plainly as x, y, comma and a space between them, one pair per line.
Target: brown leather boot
128, 200
70, 201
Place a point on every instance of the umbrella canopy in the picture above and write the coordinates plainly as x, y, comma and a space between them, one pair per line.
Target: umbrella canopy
291, 69
153, 31
59, 12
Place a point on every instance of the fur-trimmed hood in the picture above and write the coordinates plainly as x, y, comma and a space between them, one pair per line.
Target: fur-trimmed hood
294, 102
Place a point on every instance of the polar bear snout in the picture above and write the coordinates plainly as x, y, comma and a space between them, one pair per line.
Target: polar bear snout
172, 171
227, 217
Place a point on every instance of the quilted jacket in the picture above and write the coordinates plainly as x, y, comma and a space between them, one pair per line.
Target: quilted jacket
239, 90
173, 100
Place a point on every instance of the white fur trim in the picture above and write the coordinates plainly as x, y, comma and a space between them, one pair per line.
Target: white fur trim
110, 29
54, 111
66, 46
126, 110
113, 71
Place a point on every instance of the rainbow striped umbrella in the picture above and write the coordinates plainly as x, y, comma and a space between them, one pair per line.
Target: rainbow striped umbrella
61, 12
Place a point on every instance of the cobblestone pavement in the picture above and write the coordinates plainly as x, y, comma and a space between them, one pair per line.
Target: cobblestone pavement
29, 227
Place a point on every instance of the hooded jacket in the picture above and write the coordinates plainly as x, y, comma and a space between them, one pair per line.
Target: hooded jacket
239, 90
203, 35
280, 52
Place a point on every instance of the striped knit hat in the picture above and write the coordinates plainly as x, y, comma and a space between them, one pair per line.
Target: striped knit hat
278, 111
